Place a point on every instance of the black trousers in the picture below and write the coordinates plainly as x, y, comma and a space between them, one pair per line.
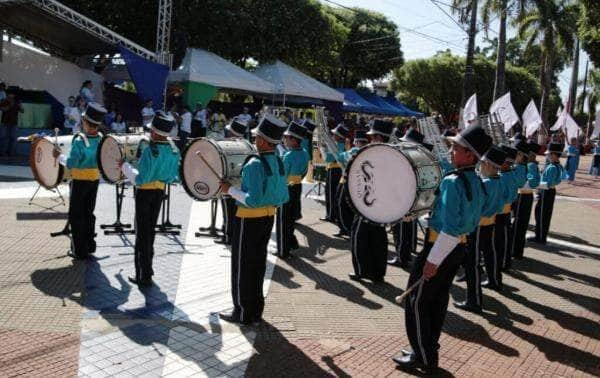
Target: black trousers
229, 208
472, 271
405, 239
248, 264
345, 213
295, 193
331, 184
369, 246
520, 223
81, 217
285, 223
502, 234
543, 213
427, 305
492, 259
147, 208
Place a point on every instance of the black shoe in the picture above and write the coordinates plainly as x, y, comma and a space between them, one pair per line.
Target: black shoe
408, 361
406, 352
140, 284
468, 307
354, 277
221, 241
229, 317
489, 285
76, 257
394, 261
378, 280
533, 239
326, 220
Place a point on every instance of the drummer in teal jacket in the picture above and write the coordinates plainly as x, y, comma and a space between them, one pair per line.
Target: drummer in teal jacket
525, 202
551, 177
83, 163
509, 182
295, 163
158, 166
456, 213
263, 189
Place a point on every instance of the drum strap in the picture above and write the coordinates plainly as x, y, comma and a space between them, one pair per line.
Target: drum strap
86, 142
266, 166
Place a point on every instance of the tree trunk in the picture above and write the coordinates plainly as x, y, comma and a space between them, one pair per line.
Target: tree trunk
467, 89
499, 83
546, 83
574, 78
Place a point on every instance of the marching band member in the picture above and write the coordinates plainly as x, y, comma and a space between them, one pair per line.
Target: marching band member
158, 166
295, 162
369, 241
595, 166
456, 213
346, 215
482, 238
307, 143
83, 163
263, 189
572, 162
551, 177
525, 202
334, 172
405, 232
502, 230
235, 129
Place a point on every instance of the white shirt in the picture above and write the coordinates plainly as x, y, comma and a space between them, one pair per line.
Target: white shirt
118, 127
87, 94
147, 115
186, 122
175, 129
201, 116
244, 118
72, 117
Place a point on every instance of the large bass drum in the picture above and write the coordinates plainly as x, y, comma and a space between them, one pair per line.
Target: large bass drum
46, 169
114, 148
226, 157
387, 182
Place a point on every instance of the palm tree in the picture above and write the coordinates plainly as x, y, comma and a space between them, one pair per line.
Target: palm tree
498, 7
459, 6
550, 23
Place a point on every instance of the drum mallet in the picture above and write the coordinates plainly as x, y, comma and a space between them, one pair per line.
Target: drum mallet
400, 298
55, 142
199, 154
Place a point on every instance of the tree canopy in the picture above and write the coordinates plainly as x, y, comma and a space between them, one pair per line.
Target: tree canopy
436, 83
589, 29
339, 46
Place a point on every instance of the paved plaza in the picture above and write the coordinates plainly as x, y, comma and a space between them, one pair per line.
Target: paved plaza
64, 318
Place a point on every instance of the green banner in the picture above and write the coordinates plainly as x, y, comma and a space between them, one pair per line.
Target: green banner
197, 92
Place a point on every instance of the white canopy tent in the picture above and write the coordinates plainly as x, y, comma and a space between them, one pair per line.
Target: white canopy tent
202, 66
288, 81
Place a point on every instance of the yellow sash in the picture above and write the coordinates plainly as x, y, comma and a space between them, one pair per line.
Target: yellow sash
85, 174
258, 212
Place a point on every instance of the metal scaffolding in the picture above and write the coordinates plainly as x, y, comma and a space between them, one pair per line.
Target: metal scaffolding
163, 32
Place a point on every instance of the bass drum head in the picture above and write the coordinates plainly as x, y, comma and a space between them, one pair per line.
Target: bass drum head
198, 180
110, 154
45, 168
381, 184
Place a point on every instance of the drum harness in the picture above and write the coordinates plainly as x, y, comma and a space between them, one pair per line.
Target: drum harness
85, 139
266, 167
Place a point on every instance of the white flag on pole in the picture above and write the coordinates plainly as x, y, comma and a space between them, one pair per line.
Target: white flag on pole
504, 108
596, 132
567, 124
560, 121
531, 119
469, 113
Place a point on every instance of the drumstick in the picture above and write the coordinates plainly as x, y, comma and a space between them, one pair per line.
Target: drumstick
55, 143
400, 298
199, 154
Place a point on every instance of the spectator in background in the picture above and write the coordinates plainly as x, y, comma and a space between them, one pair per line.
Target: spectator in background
72, 116
118, 126
218, 120
86, 91
147, 113
10, 109
110, 115
185, 129
245, 117
200, 121
175, 114
2, 91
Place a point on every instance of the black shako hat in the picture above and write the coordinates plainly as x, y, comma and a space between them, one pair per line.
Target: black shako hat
295, 130
381, 127
309, 125
522, 146
271, 128
341, 131
556, 148
534, 148
495, 155
475, 139
511, 152
162, 123
237, 127
360, 136
413, 135
94, 113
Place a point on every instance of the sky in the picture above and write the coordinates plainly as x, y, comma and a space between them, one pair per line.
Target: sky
426, 29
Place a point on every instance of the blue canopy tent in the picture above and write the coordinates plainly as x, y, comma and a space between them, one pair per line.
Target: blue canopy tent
406, 112
382, 104
150, 78
354, 103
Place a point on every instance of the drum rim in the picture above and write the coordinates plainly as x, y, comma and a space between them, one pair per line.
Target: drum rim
99, 154
183, 155
345, 177
34, 171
